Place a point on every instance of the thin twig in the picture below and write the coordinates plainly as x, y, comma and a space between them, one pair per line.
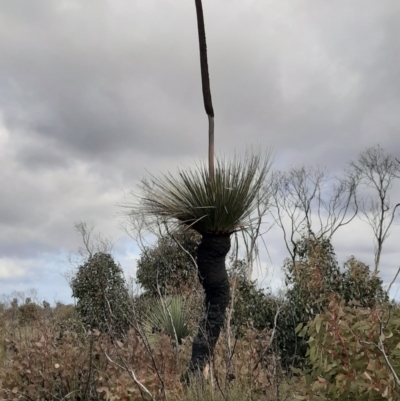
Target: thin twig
148, 348
270, 340
394, 279
181, 246
132, 375
90, 366
165, 307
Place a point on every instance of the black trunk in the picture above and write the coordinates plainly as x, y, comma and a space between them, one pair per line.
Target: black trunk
211, 255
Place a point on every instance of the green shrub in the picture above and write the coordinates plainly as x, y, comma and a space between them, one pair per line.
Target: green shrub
102, 294
346, 354
253, 306
360, 285
312, 279
166, 267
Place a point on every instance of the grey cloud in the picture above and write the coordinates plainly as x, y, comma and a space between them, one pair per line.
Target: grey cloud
299, 74
331, 71
96, 94
71, 78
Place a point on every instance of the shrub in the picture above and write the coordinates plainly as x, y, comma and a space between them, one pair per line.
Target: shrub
312, 280
46, 367
360, 285
312, 277
245, 368
28, 313
253, 306
168, 268
92, 367
49, 360
103, 297
346, 354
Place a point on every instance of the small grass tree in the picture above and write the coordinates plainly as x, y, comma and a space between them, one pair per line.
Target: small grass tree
102, 294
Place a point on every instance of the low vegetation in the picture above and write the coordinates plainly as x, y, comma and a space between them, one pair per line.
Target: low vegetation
331, 334
323, 339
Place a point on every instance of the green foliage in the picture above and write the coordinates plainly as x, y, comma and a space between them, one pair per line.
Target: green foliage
312, 280
359, 284
166, 267
312, 277
219, 206
169, 316
253, 305
103, 298
346, 354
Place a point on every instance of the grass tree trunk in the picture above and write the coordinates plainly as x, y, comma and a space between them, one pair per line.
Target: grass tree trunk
213, 276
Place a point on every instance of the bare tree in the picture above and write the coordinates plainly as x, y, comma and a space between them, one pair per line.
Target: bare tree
307, 200
252, 237
377, 171
92, 243
143, 230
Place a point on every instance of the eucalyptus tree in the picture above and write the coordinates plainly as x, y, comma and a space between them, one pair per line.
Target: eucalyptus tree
216, 209
378, 171
307, 200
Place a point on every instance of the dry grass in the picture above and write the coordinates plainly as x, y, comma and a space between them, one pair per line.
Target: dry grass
51, 357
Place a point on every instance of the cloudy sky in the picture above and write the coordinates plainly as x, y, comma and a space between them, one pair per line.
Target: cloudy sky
96, 94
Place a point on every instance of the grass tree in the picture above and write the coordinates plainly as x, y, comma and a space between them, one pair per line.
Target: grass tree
216, 209
216, 200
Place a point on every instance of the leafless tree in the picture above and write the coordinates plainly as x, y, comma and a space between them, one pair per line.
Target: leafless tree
377, 171
307, 200
144, 230
252, 238
92, 243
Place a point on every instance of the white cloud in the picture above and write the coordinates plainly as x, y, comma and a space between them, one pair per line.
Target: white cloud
10, 268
